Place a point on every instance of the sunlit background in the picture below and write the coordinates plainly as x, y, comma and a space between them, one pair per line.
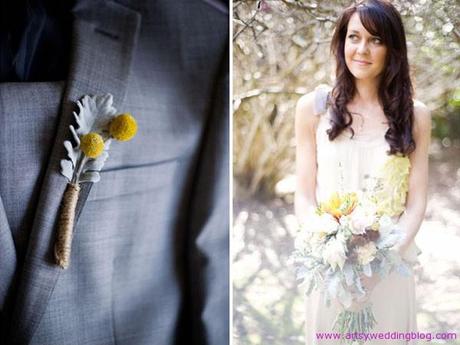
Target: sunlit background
281, 51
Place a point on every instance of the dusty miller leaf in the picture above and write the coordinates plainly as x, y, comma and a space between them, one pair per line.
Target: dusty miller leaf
86, 115
67, 169
333, 285
96, 164
389, 240
90, 176
74, 134
72, 153
359, 285
344, 296
367, 270
107, 144
349, 274
94, 113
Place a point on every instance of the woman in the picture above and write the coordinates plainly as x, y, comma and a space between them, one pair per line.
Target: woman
348, 135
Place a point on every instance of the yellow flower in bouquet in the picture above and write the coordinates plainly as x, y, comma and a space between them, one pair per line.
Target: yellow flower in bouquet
340, 205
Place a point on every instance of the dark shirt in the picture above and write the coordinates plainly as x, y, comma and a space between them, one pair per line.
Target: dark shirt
35, 40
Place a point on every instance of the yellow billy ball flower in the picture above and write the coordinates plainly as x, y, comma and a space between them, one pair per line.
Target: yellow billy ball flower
123, 127
92, 145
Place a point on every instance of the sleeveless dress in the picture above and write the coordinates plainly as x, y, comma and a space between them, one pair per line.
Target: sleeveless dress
350, 165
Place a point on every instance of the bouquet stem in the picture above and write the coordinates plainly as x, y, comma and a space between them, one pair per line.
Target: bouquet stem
351, 322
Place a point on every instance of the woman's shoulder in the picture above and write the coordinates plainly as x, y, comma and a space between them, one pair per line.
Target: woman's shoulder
305, 116
422, 117
314, 103
422, 113
420, 109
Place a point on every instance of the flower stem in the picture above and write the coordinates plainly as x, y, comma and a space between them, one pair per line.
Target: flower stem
63, 243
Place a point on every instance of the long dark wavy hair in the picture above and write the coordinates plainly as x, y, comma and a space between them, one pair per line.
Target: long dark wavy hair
395, 90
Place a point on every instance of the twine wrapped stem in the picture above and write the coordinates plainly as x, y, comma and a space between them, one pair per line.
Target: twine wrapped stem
63, 243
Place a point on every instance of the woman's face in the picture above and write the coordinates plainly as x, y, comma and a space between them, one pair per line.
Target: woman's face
364, 53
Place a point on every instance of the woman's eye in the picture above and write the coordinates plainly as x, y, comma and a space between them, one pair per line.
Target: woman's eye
377, 40
353, 37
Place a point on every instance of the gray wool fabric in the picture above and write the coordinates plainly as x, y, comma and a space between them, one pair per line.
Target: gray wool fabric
149, 262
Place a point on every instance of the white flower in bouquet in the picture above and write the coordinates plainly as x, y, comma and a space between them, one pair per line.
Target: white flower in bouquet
318, 238
334, 252
343, 224
366, 253
361, 219
324, 223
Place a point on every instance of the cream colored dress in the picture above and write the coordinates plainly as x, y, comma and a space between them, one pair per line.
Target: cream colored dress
347, 165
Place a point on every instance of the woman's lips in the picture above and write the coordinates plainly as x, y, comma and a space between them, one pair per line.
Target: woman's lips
362, 62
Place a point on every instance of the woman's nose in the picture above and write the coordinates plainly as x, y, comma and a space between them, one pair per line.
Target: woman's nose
362, 47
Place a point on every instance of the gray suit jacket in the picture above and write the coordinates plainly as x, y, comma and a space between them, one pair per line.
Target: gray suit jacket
149, 260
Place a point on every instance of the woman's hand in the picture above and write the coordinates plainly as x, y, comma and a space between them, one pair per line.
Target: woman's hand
357, 305
369, 284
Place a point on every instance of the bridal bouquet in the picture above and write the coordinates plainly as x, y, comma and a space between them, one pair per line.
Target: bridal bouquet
345, 239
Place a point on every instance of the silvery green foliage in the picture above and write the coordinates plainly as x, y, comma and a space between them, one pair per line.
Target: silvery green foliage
67, 169
94, 115
391, 238
344, 285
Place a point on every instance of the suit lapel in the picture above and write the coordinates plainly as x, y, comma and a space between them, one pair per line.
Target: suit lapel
104, 37
7, 262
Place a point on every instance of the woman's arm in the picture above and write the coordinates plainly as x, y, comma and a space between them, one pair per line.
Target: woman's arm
416, 201
305, 134
413, 216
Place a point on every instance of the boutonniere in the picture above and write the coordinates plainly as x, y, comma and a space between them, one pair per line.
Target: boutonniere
97, 126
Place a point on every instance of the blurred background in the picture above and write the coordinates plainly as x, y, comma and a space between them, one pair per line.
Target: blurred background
280, 52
